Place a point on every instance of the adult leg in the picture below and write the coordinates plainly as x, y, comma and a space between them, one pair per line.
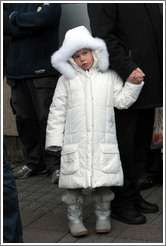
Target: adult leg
141, 149
122, 207
27, 124
154, 167
12, 226
134, 131
126, 124
153, 173
41, 91
134, 135
142, 142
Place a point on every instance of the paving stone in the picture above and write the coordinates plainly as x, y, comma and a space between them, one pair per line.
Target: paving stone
41, 187
34, 205
159, 219
23, 184
145, 232
118, 228
51, 222
29, 196
136, 241
156, 242
120, 240
90, 238
27, 218
160, 202
23, 204
67, 239
105, 238
41, 236
151, 217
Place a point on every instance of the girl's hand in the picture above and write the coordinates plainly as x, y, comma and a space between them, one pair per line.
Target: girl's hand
136, 77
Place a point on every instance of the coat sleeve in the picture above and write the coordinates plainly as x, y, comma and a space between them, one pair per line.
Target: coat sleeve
104, 24
125, 94
45, 16
42, 18
57, 116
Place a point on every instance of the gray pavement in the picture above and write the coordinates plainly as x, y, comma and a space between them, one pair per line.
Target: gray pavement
44, 217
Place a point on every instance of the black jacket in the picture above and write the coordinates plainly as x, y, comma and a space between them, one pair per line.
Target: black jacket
133, 33
35, 29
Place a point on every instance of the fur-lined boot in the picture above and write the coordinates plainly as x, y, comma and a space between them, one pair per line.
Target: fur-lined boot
74, 214
102, 210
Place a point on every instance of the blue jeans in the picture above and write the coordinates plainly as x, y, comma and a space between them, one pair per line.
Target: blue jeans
12, 226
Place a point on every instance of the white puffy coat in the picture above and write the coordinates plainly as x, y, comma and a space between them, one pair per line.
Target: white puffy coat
81, 120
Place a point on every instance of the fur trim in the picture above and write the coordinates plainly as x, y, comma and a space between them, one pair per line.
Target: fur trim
107, 197
71, 44
71, 199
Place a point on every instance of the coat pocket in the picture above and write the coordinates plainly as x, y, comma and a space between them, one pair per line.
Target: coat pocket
69, 159
109, 158
45, 82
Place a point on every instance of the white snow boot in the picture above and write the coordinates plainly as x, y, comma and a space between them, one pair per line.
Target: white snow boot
102, 211
74, 215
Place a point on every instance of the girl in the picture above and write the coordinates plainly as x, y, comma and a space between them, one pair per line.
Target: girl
81, 121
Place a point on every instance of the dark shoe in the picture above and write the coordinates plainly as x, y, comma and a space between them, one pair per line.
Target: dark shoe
55, 176
23, 173
143, 206
129, 216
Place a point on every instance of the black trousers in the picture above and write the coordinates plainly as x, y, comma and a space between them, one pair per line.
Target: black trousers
154, 167
31, 99
134, 134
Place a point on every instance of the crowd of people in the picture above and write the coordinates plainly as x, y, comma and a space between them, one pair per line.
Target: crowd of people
85, 110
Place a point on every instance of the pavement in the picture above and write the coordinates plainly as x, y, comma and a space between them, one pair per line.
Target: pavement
44, 217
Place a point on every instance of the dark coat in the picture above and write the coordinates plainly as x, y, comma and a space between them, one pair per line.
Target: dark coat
133, 33
35, 29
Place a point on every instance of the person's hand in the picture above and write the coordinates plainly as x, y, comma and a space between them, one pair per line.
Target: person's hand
136, 77
138, 74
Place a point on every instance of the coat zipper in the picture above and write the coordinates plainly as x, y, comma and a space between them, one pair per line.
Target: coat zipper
91, 91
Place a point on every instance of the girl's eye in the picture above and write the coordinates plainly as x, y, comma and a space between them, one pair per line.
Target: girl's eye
76, 57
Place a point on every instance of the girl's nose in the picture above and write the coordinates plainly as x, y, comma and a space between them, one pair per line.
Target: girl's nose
82, 58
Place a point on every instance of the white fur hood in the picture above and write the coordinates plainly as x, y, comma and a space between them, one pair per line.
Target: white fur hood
76, 39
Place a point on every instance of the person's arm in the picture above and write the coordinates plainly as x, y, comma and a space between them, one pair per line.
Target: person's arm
57, 117
47, 15
104, 24
29, 23
125, 94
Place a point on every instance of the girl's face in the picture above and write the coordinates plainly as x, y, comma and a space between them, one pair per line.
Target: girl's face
84, 58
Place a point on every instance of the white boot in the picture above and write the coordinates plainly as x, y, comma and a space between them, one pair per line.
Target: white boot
102, 211
76, 225
74, 214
